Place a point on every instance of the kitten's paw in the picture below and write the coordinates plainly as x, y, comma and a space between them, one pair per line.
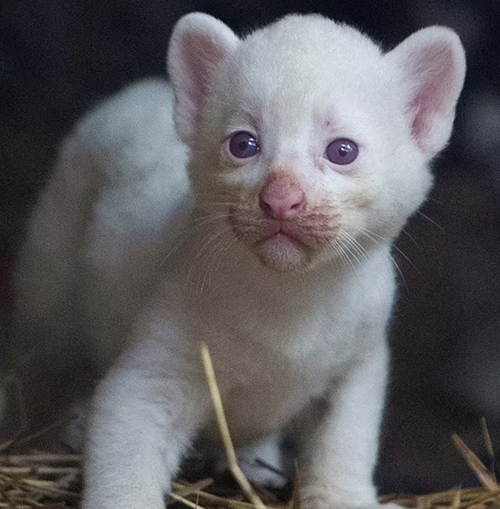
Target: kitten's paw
264, 475
256, 473
265, 462
319, 496
323, 503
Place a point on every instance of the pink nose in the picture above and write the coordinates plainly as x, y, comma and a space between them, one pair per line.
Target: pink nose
281, 201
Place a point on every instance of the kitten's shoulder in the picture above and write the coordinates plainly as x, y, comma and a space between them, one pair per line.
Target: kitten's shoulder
132, 132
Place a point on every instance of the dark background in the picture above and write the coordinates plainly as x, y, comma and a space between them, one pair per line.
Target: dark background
57, 58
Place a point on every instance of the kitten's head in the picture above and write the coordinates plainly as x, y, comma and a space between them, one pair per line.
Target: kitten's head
307, 140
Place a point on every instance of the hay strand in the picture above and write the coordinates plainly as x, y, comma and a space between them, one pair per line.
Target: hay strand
232, 460
185, 501
489, 446
485, 477
53, 481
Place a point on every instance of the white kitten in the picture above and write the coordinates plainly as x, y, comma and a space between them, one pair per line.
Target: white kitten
309, 150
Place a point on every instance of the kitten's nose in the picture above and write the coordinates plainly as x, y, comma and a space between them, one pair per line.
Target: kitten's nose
280, 200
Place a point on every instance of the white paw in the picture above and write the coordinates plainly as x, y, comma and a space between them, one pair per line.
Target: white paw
75, 431
263, 474
256, 472
264, 462
315, 496
311, 503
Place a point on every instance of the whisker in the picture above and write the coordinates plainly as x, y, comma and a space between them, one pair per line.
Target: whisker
181, 239
208, 218
371, 235
430, 220
410, 237
211, 257
221, 247
204, 247
350, 250
336, 250
345, 254
354, 243
401, 229
184, 236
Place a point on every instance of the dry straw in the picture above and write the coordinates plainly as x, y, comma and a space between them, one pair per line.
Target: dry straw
53, 481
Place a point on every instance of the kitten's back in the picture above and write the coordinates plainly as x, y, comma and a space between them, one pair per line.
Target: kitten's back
114, 205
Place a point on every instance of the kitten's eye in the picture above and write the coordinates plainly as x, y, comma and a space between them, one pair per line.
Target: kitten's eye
243, 145
342, 151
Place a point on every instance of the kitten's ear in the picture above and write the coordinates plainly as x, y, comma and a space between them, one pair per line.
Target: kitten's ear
198, 44
432, 63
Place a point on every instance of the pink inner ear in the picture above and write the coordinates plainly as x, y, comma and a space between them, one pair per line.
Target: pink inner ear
194, 54
435, 73
202, 53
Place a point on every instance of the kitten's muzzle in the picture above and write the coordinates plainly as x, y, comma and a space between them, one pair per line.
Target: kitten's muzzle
311, 229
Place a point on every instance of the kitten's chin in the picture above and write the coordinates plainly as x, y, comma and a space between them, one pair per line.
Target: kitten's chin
283, 253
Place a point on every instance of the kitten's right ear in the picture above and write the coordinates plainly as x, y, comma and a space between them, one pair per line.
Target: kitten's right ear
199, 43
432, 64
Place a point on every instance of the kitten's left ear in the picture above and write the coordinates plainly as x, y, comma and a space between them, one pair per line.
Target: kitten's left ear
432, 63
199, 43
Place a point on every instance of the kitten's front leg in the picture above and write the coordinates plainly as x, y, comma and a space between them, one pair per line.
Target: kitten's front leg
338, 438
142, 423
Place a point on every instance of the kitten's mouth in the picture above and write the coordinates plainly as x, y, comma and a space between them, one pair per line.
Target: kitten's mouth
283, 235
285, 245
282, 251
269, 230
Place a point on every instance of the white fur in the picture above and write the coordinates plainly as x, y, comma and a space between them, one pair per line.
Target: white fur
298, 341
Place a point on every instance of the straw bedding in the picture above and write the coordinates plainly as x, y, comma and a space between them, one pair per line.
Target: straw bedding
54, 481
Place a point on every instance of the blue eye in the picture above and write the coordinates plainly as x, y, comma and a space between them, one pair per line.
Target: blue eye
243, 145
342, 151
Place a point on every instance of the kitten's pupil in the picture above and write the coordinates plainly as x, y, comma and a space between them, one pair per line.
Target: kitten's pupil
344, 150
